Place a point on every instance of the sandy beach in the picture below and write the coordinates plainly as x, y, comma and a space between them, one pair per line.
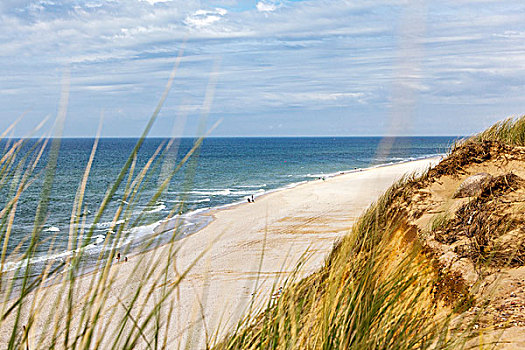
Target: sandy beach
248, 250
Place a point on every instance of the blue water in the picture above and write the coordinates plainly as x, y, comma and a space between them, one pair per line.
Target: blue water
223, 171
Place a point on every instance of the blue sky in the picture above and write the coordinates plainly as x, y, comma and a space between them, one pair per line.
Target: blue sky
282, 68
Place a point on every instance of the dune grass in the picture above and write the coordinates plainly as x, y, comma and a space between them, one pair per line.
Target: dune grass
367, 295
34, 318
510, 131
374, 292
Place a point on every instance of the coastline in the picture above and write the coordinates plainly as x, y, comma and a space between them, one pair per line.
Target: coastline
256, 246
209, 212
205, 216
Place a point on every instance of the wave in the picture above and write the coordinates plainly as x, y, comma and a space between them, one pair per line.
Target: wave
207, 199
52, 229
224, 192
108, 224
156, 209
247, 193
251, 186
240, 190
98, 239
227, 192
318, 176
56, 257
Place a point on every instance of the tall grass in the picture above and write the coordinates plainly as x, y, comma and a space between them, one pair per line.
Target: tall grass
510, 131
374, 292
33, 316
367, 295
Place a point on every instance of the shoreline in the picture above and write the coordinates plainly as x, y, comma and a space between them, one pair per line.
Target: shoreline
249, 249
209, 215
317, 244
210, 211
204, 216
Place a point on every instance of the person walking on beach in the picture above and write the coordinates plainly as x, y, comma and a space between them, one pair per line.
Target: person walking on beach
252, 199
118, 257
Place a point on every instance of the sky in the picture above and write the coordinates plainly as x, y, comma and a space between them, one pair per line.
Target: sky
262, 67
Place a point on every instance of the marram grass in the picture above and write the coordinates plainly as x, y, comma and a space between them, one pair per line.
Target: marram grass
31, 317
374, 292
510, 132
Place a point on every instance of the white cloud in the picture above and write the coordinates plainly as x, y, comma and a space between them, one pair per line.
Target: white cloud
203, 18
153, 2
313, 98
263, 6
311, 55
511, 34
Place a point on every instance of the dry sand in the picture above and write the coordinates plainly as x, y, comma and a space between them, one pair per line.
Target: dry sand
254, 247
478, 240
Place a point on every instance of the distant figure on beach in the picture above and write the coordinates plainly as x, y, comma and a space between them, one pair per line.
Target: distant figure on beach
253, 199
249, 200
277, 294
125, 259
118, 257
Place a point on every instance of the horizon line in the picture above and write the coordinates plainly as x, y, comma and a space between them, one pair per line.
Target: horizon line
239, 137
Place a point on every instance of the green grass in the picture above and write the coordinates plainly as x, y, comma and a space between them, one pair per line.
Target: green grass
33, 317
363, 298
367, 296
510, 131
439, 221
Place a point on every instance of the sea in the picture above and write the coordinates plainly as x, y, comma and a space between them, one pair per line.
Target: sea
221, 172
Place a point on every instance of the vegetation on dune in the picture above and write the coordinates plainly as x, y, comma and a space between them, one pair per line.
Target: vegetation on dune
375, 292
510, 132
31, 317
379, 288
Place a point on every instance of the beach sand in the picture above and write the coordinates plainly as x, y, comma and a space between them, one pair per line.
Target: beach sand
249, 249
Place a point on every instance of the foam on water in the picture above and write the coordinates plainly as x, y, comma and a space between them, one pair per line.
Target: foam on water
159, 207
224, 192
250, 186
103, 225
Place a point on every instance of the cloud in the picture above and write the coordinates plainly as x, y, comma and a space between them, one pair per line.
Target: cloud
203, 18
263, 6
153, 2
313, 98
277, 57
